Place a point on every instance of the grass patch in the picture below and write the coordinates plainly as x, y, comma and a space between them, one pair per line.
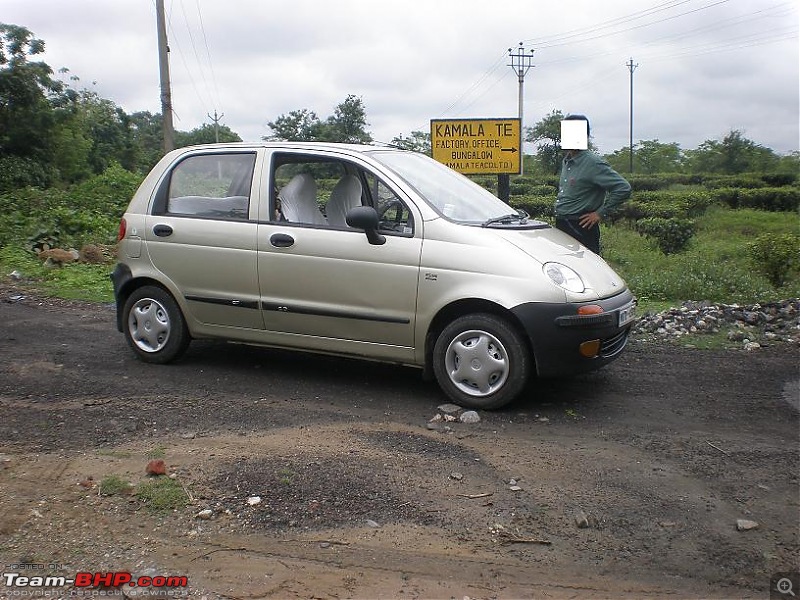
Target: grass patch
157, 452
715, 266
162, 494
76, 281
113, 485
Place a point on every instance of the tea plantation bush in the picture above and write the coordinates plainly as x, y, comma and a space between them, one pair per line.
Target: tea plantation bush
777, 256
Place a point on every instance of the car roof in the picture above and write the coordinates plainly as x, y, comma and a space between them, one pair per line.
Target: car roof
294, 145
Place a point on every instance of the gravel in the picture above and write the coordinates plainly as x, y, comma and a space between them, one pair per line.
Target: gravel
750, 325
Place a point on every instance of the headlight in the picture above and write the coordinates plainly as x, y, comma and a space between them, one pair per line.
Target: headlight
564, 277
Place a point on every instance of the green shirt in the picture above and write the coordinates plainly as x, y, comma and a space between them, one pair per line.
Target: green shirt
589, 184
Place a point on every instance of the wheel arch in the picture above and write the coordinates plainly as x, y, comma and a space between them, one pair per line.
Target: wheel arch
462, 307
125, 286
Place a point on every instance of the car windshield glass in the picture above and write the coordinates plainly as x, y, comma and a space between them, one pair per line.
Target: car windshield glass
450, 193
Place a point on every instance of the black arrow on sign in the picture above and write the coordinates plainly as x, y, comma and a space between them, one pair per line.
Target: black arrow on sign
512, 150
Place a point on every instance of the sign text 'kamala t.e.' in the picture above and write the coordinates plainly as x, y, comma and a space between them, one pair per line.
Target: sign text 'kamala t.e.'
477, 146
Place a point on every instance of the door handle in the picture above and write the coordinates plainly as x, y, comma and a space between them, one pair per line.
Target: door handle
162, 230
281, 240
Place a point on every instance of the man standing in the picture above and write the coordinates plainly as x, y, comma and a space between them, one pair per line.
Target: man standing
589, 189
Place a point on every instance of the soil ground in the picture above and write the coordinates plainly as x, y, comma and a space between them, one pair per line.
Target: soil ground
627, 482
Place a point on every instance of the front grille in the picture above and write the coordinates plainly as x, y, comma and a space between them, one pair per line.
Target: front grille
614, 345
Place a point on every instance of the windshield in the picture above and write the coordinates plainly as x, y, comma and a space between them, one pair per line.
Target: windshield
450, 193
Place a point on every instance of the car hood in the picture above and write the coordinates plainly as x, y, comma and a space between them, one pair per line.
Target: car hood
551, 245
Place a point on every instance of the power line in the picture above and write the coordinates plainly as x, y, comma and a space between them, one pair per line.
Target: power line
208, 53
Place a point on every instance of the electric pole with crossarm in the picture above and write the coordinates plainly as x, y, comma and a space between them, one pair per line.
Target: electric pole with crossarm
521, 62
631, 68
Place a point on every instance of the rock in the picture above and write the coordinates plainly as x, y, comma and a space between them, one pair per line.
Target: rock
205, 514
456, 476
254, 501
582, 520
750, 346
450, 409
745, 525
373, 524
156, 467
779, 319
470, 417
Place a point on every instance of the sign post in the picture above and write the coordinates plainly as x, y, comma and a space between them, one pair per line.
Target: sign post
478, 146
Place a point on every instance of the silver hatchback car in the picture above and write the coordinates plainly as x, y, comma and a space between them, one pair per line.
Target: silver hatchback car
361, 251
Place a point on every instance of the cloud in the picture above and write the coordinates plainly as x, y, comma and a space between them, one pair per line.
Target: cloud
704, 67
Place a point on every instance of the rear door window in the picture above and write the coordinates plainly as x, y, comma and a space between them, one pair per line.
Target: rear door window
211, 186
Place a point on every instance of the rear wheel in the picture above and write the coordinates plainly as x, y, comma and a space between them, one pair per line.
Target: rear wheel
154, 325
481, 361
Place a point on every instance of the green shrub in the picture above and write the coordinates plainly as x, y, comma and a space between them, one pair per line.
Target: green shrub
746, 181
538, 207
643, 183
111, 191
18, 172
671, 234
775, 199
779, 179
666, 204
776, 256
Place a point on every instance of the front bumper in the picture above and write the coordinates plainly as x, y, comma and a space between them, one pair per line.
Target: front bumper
565, 342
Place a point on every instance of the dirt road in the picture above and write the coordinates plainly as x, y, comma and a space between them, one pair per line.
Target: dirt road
325, 478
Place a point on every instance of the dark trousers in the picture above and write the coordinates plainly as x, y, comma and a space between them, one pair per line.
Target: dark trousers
589, 237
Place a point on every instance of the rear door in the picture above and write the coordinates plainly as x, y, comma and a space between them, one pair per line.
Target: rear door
202, 234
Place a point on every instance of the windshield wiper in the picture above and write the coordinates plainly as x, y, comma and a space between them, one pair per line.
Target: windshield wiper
520, 216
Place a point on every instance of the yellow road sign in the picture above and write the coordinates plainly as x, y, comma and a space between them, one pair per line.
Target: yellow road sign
477, 146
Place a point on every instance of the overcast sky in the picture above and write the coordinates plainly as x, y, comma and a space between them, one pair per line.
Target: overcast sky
705, 67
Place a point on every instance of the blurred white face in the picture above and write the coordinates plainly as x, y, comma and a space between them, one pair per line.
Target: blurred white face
574, 135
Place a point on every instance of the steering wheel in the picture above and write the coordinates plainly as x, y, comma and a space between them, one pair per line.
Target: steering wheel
397, 223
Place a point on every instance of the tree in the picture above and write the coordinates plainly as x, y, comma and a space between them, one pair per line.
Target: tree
298, 126
347, 124
419, 141
649, 156
205, 134
26, 115
546, 134
733, 155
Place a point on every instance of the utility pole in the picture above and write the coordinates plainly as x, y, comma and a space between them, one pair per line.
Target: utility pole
163, 63
521, 64
631, 68
216, 120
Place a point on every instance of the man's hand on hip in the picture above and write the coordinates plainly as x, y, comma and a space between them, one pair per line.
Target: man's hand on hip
589, 220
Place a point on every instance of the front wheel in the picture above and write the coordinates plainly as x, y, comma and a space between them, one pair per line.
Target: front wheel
154, 325
481, 361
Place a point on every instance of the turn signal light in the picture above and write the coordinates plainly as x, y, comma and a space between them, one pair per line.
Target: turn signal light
590, 309
590, 349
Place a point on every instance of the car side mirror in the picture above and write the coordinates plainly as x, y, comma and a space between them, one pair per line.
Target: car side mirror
366, 218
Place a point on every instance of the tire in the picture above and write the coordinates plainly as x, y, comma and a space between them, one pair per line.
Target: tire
481, 361
154, 325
